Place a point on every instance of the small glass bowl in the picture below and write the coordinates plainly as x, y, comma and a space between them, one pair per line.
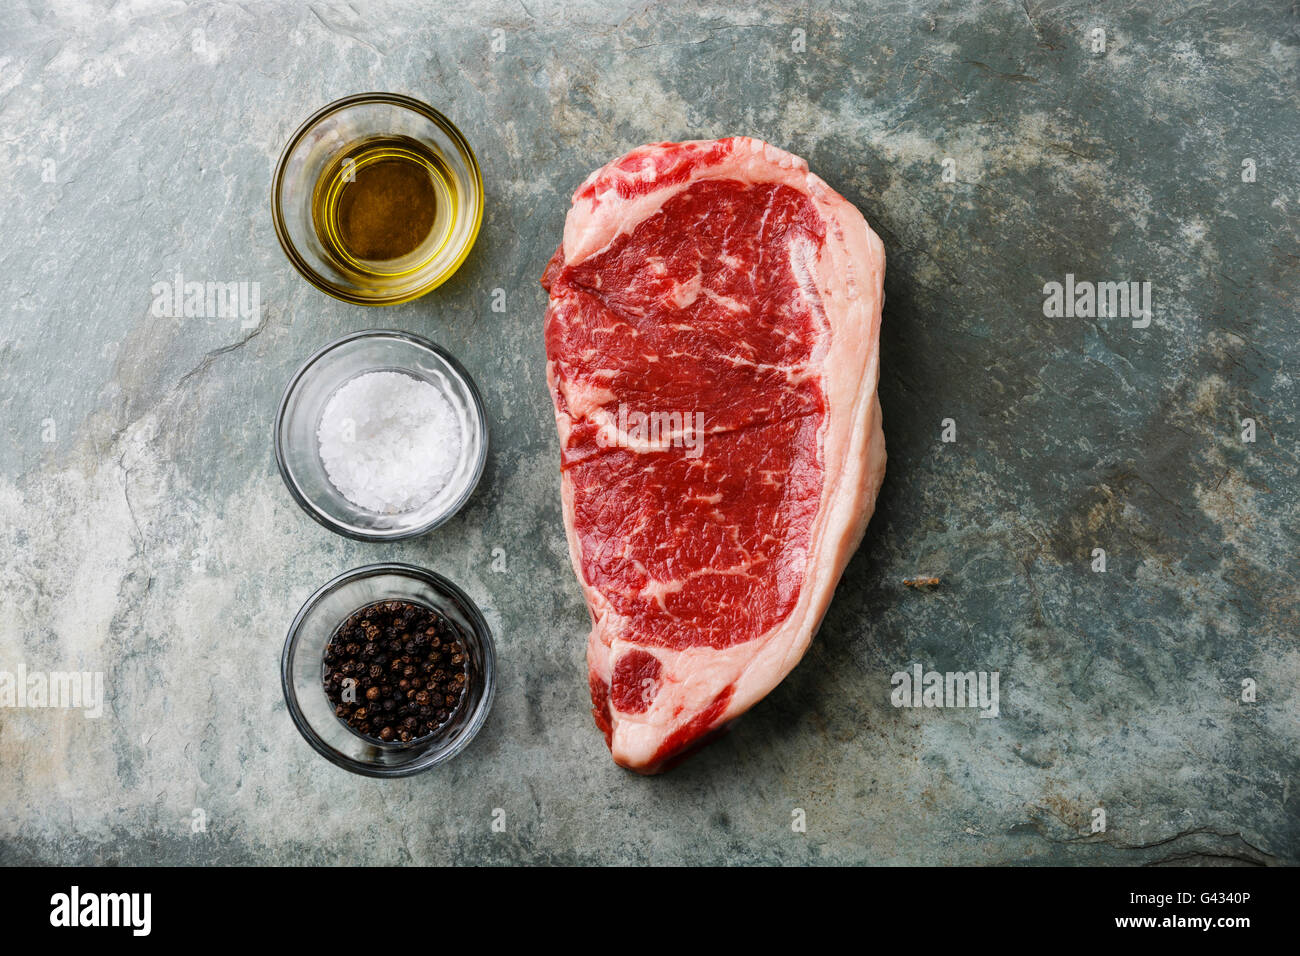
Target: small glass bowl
297, 450
319, 141
302, 664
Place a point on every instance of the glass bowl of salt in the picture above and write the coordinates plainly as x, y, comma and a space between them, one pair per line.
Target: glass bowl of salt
381, 435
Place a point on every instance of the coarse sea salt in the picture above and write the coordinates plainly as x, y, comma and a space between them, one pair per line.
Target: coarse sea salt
389, 441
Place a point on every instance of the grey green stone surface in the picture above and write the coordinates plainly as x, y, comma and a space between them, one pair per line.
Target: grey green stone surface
145, 533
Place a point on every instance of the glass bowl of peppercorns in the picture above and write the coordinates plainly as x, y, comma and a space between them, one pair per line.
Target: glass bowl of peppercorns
388, 670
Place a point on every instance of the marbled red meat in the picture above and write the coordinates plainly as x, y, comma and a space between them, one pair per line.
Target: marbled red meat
712, 345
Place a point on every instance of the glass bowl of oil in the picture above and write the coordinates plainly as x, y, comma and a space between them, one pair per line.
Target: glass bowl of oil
377, 199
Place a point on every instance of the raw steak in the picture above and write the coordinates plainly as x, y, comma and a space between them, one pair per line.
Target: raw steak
720, 284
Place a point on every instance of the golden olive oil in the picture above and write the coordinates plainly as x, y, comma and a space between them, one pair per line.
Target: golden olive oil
384, 206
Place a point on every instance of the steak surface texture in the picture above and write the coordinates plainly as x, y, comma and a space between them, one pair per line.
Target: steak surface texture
712, 344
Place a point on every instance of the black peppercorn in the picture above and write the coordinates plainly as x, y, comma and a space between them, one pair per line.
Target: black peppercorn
407, 661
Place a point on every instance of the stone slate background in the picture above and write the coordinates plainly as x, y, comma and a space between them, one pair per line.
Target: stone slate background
152, 539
